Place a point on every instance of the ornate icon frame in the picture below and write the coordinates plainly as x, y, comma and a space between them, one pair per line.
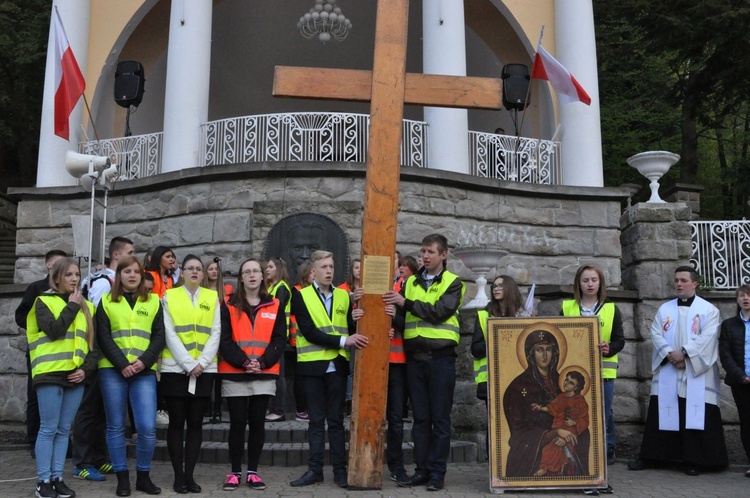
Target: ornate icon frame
508, 340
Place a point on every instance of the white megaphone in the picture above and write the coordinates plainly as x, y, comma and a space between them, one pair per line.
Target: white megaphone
79, 165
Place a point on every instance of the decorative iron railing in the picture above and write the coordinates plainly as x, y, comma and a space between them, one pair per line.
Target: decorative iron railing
137, 156
721, 252
304, 136
509, 158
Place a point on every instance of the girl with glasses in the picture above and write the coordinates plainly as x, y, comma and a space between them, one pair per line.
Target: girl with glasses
192, 325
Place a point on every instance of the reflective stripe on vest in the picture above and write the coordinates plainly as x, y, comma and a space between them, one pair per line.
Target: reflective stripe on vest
192, 324
415, 326
480, 365
253, 339
606, 318
130, 327
336, 326
61, 355
288, 306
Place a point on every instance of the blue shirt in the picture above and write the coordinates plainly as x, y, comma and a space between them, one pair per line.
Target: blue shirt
747, 344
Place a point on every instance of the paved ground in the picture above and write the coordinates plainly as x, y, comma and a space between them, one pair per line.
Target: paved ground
17, 479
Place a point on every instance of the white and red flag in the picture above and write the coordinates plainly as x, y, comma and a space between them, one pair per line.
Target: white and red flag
69, 82
567, 88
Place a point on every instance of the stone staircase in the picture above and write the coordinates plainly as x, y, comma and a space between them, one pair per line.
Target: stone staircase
7, 258
286, 444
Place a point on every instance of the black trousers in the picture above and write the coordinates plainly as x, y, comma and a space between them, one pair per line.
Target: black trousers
32, 407
88, 436
741, 396
325, 403
395, 415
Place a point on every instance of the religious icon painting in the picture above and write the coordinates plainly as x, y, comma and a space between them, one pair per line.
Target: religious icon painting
545, 398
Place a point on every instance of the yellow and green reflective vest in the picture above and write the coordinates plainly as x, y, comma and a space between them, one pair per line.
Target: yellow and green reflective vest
336, 325
606, 318
64, 354
288, 307
130, 327
192, 324
416, 327
480, 365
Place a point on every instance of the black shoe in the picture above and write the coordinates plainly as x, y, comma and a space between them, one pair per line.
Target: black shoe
62, 490
638, 464
181, 489
307, 479
123, 483
340, 478
607, 491
193, 487
436, 483
143, 483
399, 476
591, 492
45, 489
419, 478
692, 471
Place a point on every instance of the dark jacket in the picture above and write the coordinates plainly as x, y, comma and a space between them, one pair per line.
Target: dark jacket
732, 350
307, 328
34, 290
56, 328
114, 354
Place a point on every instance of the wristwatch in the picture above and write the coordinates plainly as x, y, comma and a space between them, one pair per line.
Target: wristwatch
684, 352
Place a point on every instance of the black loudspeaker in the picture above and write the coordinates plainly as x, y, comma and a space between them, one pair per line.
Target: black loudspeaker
129, 82
515, 86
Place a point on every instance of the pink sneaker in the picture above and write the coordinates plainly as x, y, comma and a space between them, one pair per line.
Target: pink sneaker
231, 482
302, 417
253, 481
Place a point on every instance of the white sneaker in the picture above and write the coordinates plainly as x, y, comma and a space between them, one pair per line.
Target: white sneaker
162, 417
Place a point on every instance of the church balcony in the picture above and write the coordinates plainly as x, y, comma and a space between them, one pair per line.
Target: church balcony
331, 137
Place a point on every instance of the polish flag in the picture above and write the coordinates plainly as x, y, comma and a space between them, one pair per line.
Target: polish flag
69, 82
567, 88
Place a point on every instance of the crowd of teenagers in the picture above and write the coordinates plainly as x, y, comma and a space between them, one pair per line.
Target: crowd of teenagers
106, 355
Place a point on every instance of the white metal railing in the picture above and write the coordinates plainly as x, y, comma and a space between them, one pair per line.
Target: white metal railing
505, 158
302, 136
721, 252
137, 156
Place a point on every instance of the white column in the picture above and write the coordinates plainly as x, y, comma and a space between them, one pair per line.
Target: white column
582, 135
188, 71
50, 170
444, 52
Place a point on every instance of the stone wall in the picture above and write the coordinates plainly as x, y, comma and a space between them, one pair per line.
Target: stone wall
8, 207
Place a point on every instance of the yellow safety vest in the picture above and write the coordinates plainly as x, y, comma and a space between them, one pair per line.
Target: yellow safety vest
64, 354
288, 307
415, 326
130, 327
336, 325
606, 318
480, 365
192, 324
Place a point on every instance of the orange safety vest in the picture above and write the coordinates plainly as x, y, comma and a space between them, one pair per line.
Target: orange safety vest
396, 353
160, 288
252, 339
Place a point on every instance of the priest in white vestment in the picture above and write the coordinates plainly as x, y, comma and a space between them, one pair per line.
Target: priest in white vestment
684, 421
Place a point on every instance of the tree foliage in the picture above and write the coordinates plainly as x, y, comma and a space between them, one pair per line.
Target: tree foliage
24, 28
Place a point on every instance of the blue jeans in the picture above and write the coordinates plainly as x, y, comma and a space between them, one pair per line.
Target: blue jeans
57, 409
431, 384
141, 391
609, 416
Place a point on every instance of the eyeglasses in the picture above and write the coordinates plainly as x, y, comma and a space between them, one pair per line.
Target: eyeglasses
193, 268
496, 286
250, 272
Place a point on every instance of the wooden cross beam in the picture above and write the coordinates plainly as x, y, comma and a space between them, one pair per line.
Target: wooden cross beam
388, 88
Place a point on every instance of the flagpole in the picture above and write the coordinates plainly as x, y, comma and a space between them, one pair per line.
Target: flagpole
91, 118
526, 106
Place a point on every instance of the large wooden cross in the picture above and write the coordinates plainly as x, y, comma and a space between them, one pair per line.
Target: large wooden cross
388, 88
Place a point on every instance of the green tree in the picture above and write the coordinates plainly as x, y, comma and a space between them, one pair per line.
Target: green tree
24, 29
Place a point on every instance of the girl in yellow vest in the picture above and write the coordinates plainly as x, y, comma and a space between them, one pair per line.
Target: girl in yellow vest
60, 334
277, 282
505, 301
192, 325
253, 335
590, 299
130, 332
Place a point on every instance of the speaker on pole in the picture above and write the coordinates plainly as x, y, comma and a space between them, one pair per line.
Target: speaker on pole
515, 86
129, 82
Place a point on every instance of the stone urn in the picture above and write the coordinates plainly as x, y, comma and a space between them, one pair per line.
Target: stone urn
653, 165
480, 260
